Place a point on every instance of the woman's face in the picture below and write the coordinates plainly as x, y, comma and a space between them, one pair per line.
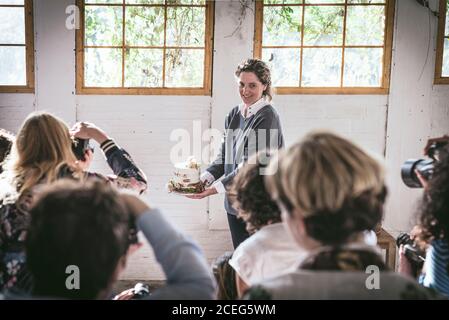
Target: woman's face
250, 88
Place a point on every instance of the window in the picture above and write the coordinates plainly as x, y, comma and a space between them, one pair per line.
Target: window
144, 47
442, 58
16, 46
326, 46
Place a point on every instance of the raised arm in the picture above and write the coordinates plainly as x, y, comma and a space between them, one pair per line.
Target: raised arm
187, 271
118, 159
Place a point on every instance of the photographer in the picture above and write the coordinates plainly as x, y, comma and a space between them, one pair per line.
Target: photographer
93, 235
432, 233
41, 154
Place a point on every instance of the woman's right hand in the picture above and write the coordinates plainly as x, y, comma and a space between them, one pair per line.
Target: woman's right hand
204, 194
87, 130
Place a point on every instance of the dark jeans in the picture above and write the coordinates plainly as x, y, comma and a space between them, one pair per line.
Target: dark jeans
238, 230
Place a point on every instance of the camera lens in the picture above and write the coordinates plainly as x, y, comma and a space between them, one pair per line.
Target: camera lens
424, 166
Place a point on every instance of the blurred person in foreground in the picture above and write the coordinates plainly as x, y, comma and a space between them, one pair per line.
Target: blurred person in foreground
432, 232
330, 192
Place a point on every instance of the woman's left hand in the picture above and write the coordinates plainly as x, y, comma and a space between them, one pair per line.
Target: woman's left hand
204, 194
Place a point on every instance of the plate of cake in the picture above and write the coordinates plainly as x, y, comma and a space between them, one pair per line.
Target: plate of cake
186, 178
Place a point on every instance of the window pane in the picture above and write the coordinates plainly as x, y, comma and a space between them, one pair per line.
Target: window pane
325, 1
363, 67
282, 26
104, 26
284, 66
12, 26
143, 68
103, 67
323, 25
105, 1
281, 1
185, 26
446, 32
365, 25
13, 2
144, 26
321, 67
366, 1
184, 68
145, 1
12, 66
186, 2
445, 69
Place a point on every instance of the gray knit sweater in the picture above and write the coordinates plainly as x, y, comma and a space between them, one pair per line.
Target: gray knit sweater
242, 138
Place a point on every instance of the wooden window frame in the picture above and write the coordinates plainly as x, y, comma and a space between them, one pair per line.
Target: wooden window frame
208, 51
439, 79
29, 52
387, 52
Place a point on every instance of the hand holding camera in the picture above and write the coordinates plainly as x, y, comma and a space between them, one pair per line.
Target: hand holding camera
411, 256
87, 130
416, 172
139, 291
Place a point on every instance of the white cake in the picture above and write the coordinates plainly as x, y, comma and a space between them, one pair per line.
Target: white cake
186, 177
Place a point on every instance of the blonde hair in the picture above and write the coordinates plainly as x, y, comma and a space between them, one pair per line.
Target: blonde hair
324, 174
42, 148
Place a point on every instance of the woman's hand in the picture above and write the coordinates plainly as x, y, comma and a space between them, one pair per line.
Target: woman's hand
88, 157
125, 295
127, 183
204, 194
435, 140
87, 130
422, 180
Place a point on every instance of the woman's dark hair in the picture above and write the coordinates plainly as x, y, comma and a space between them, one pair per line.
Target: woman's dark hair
434, 208
249, 196
261, 70
225, 277
80, 224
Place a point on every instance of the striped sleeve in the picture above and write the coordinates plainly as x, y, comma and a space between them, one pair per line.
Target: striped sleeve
437, 267
108, 147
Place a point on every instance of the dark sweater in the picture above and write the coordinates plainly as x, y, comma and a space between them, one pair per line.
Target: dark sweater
243, 138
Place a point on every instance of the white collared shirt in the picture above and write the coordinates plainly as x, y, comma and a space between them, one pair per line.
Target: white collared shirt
254, 108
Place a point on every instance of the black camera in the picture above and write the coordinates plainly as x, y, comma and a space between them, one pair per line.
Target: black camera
424, 166
79, 148
413, 253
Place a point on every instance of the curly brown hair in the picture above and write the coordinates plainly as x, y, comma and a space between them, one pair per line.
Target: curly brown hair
261, 70
249, 196
434, 207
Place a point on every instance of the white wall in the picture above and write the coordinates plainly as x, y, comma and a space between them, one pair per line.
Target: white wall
142, 124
